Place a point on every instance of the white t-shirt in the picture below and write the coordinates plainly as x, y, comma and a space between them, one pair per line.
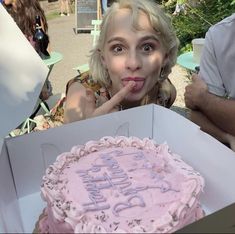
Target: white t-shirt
217, 65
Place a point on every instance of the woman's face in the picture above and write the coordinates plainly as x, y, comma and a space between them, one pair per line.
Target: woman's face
133, 55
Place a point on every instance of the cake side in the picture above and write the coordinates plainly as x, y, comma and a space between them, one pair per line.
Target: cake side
118, 181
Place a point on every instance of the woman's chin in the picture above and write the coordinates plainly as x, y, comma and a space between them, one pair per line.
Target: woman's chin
133, 97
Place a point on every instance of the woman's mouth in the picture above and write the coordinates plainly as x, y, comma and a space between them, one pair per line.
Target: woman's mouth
139, 83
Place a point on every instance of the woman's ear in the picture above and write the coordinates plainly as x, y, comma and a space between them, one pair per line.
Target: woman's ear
165, 60
102, 58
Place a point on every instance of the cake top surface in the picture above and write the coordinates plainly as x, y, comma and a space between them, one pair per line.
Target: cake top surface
121, 185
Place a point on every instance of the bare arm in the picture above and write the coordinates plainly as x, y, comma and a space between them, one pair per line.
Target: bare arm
220, 111
81, 102
77, 99
207, 126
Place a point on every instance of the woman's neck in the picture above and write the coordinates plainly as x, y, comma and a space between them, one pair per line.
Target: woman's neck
126, 105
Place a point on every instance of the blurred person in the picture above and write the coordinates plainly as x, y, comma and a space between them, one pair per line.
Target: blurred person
211, 95
64, 7
129, 65
179, 7
24, 13
104, 6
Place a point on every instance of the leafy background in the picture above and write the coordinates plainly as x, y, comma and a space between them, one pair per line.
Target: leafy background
200, 15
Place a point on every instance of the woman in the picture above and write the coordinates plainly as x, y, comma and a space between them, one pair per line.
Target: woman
131, 61
24, 13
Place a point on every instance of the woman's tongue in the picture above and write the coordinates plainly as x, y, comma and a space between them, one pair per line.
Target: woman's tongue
138, 85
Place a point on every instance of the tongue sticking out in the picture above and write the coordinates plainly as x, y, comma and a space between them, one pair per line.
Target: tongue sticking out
138, 85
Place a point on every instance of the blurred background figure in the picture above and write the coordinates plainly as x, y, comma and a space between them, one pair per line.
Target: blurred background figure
64, 7
104, 6
24, 13
179, 7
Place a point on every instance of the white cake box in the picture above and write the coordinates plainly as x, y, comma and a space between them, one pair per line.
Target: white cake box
29, 155
23, 159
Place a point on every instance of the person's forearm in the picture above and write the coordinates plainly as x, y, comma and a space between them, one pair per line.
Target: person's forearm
220, 111
207, 126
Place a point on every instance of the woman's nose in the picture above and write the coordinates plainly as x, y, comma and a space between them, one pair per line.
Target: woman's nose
133, 61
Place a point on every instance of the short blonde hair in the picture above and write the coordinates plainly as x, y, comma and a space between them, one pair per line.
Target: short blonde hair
160, 22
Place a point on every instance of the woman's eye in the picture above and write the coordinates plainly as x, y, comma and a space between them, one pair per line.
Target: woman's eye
117, 49
147, 47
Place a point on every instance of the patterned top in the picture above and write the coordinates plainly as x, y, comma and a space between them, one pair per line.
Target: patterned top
86, 80
163, 93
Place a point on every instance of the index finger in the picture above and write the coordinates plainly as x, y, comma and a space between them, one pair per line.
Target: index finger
115, 100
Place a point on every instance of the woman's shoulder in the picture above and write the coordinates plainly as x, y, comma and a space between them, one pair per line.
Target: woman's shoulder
86, 80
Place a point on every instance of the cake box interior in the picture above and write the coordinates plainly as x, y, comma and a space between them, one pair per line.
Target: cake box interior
24, 159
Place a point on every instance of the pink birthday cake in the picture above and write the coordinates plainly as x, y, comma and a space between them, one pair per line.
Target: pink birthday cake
122, 185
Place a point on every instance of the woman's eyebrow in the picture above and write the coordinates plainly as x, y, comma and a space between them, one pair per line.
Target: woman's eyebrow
145, 38
149, 37
116, 39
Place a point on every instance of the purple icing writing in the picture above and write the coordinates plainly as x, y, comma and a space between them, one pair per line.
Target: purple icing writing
112, 176
137, 155
132, 201
98, 201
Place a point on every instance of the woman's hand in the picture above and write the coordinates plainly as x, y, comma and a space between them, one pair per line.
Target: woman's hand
81, 102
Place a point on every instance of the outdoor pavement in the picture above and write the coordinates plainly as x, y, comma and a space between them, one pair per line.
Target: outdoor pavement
74, 48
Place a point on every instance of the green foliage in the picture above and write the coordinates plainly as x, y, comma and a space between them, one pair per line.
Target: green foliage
199, 16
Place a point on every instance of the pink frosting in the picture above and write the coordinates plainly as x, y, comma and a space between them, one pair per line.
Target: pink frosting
120, 185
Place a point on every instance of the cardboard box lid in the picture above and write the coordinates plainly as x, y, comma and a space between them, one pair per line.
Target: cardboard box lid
22, 75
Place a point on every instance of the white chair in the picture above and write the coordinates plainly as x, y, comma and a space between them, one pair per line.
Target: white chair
95, 32
30, 123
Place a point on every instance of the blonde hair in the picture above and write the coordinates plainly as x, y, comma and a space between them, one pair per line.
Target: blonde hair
160, 22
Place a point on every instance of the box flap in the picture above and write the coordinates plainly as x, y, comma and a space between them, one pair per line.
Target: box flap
10, 219
22, 74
